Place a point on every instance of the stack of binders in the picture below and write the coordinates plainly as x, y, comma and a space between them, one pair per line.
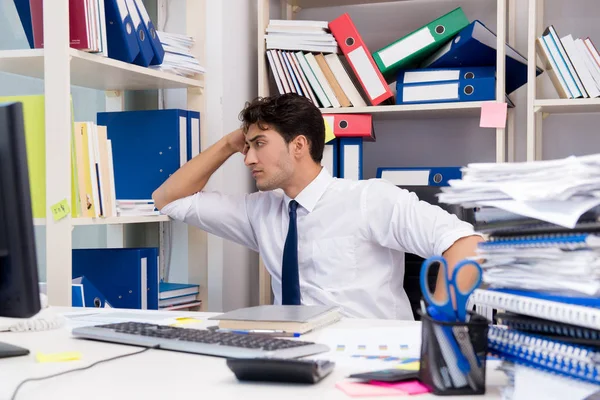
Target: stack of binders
542, 266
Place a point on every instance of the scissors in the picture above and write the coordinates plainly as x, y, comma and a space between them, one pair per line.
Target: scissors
445, 305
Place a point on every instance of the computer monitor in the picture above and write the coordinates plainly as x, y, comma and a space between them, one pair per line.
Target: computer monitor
19, 284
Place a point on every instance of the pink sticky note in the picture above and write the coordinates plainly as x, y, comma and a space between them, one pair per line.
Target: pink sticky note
493, 115
356, 389
408, 387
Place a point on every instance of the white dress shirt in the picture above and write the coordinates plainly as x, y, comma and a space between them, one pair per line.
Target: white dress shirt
352, 236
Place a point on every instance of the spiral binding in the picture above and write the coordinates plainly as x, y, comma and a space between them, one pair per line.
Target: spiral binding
539, 352
536, 325
570, 241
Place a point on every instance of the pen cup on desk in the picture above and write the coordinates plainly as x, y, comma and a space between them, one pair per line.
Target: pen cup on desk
453, 355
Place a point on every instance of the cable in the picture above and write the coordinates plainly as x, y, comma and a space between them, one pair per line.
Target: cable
14, 396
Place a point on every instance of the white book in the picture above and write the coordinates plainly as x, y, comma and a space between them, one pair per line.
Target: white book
299, 23
589, 61
312, 79
312, 62
306, 86
580, 66
343, 77
279, 67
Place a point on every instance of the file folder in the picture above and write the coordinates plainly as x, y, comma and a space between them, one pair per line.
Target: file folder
121, 35
330, 157
408, 51
475, 46
146, 52
148, 146
85, 294
423, 75
151, 35
363, 66
352, 125
153, 276
193, 134
351, 158
419, 176
24, 11
477, 89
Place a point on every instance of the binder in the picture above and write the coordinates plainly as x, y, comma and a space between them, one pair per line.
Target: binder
153, 276
193, 134
330, 159
572, 361
408, 51
475, 46
146, 53
363, 66
351, 158
85, 294
148, 146
573, 310
352, 125
151, 35
24, 11
425, 75
419, 176
476, 89
122, 37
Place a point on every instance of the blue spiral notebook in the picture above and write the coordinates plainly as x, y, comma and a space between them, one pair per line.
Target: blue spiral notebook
567, 241
579, 362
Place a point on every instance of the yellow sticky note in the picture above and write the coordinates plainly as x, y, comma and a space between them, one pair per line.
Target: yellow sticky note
58, 357
60, 210
329, 136
412, 366
186, 320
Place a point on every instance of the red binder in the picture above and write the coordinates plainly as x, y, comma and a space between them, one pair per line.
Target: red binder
360, 59
352, 125
78, 24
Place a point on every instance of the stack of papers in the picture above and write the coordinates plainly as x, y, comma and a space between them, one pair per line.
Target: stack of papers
136, 208
313, 36
178, 56
556, 191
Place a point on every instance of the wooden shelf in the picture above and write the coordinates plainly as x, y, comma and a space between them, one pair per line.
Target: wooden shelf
334, 3
567, 106
95, 72
436, 110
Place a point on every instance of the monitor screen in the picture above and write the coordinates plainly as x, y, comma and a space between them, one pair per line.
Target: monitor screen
19, 284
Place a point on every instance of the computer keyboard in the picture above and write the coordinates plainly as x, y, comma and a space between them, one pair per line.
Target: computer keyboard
207, 342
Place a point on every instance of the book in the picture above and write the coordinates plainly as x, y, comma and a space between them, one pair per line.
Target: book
297, 319
173, 290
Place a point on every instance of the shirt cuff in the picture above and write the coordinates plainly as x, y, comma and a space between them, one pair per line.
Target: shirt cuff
178, 209
450, 238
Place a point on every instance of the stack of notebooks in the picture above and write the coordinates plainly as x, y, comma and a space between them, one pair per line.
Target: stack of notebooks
448, 59
542, 266
573, 64
178, 296
136, 208
178, 58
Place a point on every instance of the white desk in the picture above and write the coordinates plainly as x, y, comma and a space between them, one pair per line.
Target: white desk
160, 374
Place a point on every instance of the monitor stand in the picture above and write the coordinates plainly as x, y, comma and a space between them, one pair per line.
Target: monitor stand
10, 350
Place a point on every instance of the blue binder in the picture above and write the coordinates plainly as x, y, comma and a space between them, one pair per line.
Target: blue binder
475, 46
24, 11
419, 176
153, 274
151, 35
193, 134
85, 294
120, 33
330, 159
476, 89
427, 75
148, 146
125, 276
350, 158
146, 52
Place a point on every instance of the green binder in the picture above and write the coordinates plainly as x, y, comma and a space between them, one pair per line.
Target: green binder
408, 51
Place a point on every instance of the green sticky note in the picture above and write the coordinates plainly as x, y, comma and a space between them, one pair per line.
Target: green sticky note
60, 210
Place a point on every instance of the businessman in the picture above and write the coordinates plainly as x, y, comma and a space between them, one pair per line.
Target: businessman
324, 240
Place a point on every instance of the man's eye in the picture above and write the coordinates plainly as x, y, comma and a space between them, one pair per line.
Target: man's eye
260, 143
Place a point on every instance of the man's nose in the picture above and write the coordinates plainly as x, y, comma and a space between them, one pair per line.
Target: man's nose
250, 158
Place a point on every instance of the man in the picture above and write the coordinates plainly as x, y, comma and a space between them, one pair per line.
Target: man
323, 240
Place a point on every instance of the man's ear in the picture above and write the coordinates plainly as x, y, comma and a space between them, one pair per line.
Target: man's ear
300, 145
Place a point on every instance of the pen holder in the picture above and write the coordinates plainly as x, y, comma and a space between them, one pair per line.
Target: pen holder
453, 355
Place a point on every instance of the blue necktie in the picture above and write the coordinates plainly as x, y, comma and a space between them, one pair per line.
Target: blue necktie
290, 281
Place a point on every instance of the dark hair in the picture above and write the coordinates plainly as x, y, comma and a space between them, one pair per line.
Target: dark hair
290, 115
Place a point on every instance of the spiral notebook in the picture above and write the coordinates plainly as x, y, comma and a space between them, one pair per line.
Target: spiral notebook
534, 351
567, 241
579, 311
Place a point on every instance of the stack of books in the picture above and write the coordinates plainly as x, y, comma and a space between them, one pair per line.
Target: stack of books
178, 296
573, 64
178, 55
136, 208
542, 266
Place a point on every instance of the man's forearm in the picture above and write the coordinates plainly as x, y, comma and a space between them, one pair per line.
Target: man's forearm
193, 176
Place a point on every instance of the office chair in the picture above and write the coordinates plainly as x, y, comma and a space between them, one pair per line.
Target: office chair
412, 262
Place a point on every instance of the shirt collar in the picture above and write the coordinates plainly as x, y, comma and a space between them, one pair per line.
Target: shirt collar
310, 195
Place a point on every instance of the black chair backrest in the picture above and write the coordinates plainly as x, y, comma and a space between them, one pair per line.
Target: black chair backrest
412, 262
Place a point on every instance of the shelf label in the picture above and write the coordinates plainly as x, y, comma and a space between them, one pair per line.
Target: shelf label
60, 210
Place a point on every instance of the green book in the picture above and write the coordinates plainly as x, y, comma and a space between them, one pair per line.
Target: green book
408, 51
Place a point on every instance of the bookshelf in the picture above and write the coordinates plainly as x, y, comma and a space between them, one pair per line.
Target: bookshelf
61, 67
539, 108
505, 32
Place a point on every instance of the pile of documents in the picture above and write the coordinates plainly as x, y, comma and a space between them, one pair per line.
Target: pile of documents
300, 35
541, 261
136, 208
178, 55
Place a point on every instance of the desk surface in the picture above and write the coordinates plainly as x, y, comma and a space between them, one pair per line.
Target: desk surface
159, 374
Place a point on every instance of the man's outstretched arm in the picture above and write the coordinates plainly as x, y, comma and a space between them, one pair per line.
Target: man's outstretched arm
193, 176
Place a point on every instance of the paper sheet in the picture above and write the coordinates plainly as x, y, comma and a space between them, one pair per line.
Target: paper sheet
80, 319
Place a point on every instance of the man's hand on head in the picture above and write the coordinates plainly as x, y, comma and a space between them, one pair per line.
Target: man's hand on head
236, 140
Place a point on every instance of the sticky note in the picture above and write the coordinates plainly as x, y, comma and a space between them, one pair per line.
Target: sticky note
356, 389
329, 136
411, 366
186, 320
58, 357
408, 387
60, 210
493, 115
